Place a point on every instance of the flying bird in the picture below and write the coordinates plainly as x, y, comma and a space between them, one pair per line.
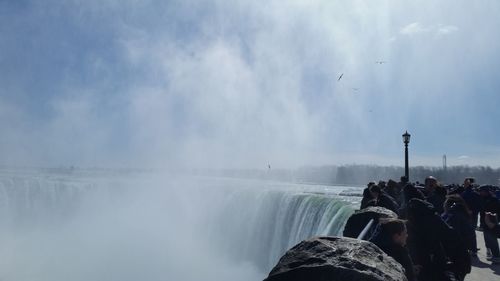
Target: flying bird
340, 77
355, 89
380, 62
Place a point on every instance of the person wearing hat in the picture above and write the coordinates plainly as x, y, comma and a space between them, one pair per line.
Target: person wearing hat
491, 205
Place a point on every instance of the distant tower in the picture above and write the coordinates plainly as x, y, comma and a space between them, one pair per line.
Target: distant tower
444, 162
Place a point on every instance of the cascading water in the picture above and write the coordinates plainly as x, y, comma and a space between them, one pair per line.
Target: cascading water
103, 226
264, 224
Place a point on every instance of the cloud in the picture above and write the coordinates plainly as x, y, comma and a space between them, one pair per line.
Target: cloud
413, 28
446, 29
463, 157
418, 28
238, 83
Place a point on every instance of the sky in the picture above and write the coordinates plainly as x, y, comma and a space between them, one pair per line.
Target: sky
244, 84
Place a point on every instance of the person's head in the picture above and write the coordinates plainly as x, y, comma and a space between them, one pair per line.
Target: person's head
420, 211
381, 184
468, 182
375, 191
430, 183
484, 190
395, 229
410, 192
404, 179
454, 189
367, 194
455, 202
392, 184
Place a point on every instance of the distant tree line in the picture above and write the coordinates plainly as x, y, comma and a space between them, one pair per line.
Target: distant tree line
362, 174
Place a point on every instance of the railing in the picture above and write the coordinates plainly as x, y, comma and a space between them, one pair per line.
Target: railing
365, 230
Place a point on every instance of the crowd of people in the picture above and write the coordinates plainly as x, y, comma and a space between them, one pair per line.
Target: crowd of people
434, 237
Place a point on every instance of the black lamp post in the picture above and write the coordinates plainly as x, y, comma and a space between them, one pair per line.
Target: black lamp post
406, 140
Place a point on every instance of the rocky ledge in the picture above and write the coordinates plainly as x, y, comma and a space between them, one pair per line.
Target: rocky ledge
336, 259
358, 220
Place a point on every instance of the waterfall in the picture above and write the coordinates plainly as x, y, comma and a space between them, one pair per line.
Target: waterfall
264, 224
28, 200
125, 227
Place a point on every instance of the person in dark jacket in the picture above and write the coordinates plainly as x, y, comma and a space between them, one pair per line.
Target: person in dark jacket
390, 236
367, 199
434, 245
435, 193
457, 215
394, 190
473, 200
490, 204
409, 192
383, 199
491, 221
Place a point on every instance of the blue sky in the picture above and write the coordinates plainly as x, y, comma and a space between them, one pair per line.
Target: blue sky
246, 83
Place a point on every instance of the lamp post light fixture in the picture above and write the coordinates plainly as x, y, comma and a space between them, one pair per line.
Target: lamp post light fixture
406, 141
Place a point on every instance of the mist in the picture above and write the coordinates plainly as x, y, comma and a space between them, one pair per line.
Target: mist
115, 228
99, 225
